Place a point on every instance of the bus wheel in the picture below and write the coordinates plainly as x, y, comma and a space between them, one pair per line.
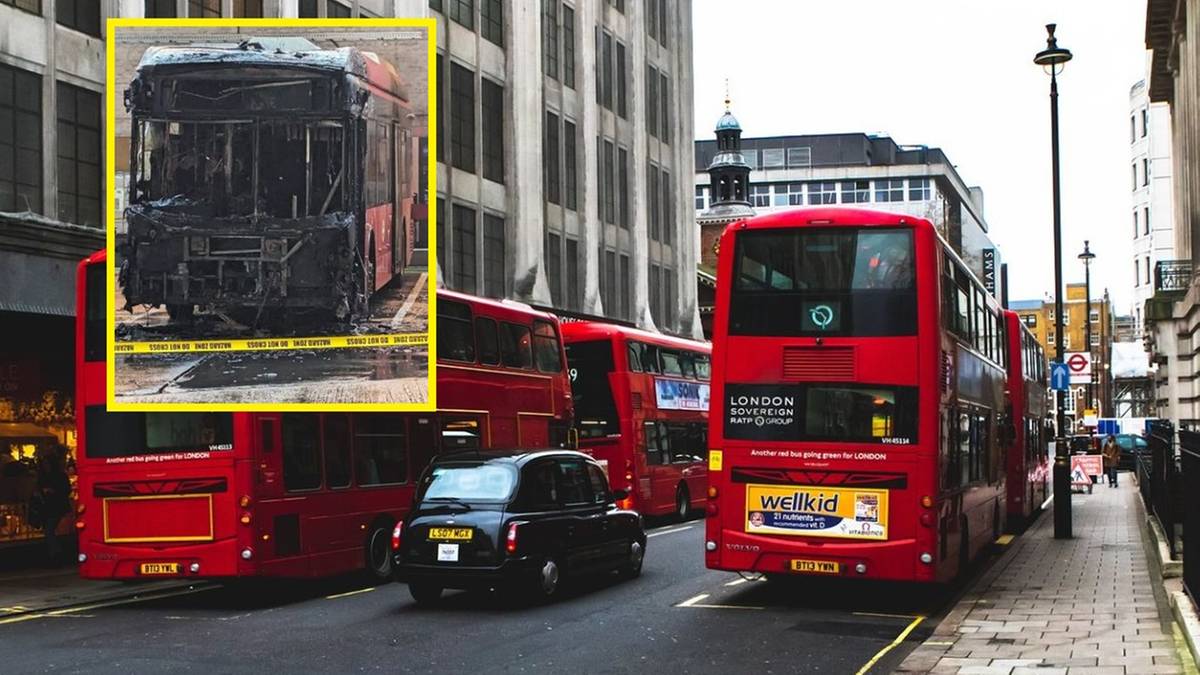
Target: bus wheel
682, 504
180, 313
424, 593
379, 553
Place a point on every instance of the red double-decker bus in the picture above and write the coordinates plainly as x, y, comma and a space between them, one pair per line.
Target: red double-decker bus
1028, 468
295, 494
641, 408
858, 400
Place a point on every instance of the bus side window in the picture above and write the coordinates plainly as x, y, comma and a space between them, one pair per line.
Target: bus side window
654, 445
547, 352
380, 449
687, 365
301, 452
634, 351
703, 367
488, 341
456, 341
515, 349
670, 362
964, 448
336, 446
650, 359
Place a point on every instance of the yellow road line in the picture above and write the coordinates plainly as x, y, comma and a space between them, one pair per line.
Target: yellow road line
271, 344
335, 596
99, 605
899, 638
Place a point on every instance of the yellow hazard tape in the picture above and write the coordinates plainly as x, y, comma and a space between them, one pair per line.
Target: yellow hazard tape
271, 344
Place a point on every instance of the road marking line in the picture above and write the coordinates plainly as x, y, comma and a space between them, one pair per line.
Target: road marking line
885, 615
1048, 501
101, 605
931, 643
735, 582
1004, 540
695, 603
672, 531
899, 638
689, 603
335, 596
408, 302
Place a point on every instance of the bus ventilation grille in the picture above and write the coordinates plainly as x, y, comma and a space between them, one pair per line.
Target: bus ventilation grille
818, 363
636, 401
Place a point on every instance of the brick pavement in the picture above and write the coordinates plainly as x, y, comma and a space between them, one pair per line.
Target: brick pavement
1051, 607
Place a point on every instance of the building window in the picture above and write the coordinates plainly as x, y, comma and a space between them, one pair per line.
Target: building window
626, 288
610, 211
652, 18
1095, 340
439, 126
701, 198
822, 193
856, 191
918, 189
204, 9
664, 94
461, 12
610, 283
1145, 171
799, 157
1147, 269
462, 117
1137, 273
751, 157
1134, 169
668, 228
81, 15
568, 31
336, 10
607, 71
162, 9
550, 38
248, 9
623, 185
669, 309
80, 181
1146, 220
622, 76
889, 190
493, 255
779, 194
441, 233
1132, 128
20, 140
1094, 316
655, 292
1030, 320
652, 202
464, 249
651, 100
760, 195
1135, 224
491, 21
435, 4
572, 177
492, 110
550, 159
772, 158
795, 194
1145, 122
662, 22
573, 299
554, 268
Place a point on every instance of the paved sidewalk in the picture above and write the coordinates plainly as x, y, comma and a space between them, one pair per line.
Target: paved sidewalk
31, 591
1051, 607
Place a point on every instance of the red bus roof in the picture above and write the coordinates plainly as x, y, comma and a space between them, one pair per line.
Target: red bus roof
832, 216
580, 331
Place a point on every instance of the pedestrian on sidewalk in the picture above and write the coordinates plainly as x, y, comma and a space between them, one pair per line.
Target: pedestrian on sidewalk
1112, 458
53, 493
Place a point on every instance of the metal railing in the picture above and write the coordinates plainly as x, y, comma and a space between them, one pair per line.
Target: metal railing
1171, 276
1189, 457
1159, 482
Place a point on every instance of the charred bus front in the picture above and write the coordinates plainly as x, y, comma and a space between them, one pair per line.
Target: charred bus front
265, 175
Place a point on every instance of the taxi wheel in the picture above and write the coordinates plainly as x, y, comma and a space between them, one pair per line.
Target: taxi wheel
633, 565
549, 579
424, 593
379, 553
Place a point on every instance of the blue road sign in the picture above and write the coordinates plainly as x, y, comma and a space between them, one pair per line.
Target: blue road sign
1060, 376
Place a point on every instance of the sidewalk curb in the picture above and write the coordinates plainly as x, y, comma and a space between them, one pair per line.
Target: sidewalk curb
1171, 569
105, 598
1187, 620
945, 634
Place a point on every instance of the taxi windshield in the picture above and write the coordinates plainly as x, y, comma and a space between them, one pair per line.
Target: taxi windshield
484, 482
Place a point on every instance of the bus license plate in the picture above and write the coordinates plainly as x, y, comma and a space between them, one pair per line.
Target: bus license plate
160, 568
450, 533
816, 566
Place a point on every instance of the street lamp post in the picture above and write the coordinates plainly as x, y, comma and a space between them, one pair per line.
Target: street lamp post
1053, 59
1087, 256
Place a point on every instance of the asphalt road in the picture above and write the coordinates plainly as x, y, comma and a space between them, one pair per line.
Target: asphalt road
678, 617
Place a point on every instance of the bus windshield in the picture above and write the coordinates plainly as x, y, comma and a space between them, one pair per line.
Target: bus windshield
832, 281
112, 435
595, 410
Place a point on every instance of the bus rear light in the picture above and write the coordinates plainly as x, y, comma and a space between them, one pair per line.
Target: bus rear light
926, 558
80, 508
82, 557
510, 540
710, 509
245, 519
266, 537
79, 524
629, 475
927, 502
397, 532
927, 519
244, 502
712, 491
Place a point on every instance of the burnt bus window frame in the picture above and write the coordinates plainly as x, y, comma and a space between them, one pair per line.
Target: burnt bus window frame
591, 390
905, 413
856, 311
108, 433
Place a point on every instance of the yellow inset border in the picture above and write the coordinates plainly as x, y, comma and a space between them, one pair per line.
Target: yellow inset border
150, 540
110, 100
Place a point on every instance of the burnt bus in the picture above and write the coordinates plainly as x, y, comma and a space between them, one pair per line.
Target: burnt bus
269, 175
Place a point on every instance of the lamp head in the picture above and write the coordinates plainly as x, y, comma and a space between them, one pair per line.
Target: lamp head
1087, 256
1053, 58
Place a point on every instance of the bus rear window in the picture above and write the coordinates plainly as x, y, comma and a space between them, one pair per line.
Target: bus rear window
821, 412
94, 307
113, 434
821, 281
589, 364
